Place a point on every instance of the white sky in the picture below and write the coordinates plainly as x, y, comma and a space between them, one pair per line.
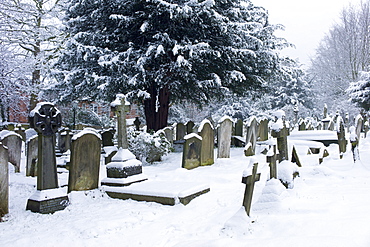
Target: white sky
306, 22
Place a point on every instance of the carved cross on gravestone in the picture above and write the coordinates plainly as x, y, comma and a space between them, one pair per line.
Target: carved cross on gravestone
120, 107
46, 119
249, 187
272, 162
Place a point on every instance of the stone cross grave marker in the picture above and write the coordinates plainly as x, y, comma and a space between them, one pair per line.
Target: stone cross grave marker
191, 156
249, 187
46, 119
85, 161
224, 137
206, 131
120, 106
13, 141
272, 158
281, 133
4, 181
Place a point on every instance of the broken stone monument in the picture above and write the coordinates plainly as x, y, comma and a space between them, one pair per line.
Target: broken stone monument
46, 119
280, 131
85, 161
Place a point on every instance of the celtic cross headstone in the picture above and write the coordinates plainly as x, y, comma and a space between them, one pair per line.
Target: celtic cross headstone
46, 119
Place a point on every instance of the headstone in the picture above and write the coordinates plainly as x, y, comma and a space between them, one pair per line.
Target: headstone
353, 137
64, 141
263, 130
13, 141
295, 157
281, 132
252, 132
107, 138
249, 187
238, 132
366, 128
206, 131
191, 156
301, 124
46, 119
31, 156
358, 126
180, 131
120, 106
20, 131
85, 161
168, 133
325, 111
272, 159
137, 124
4, 181
224, 137
341, 133
189, 127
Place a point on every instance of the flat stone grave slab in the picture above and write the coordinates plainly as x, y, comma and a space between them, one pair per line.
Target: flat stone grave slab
163, 192
326, 137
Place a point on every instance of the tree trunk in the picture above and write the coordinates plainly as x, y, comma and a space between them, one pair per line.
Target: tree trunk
156, 108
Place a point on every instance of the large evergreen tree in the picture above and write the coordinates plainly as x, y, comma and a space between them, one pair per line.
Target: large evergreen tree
161, 51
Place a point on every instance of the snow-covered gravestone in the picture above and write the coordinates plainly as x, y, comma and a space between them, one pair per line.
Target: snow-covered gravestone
13, 141
263, 130
251, 139
64, 140
238, 133
124, 169
46, 119
168, 133
189, 127
85, 161
249, 180
280, 131
358, 125
224, 137
4, 181
206, 131
341, 133
31, 153
272, 158
180, 131
191, 156
353, 137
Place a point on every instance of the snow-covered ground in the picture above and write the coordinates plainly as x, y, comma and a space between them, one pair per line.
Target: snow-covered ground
328, 206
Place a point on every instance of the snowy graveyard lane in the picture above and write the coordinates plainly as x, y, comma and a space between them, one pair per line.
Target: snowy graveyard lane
328, 206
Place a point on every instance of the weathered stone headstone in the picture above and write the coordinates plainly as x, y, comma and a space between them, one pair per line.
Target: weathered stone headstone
249, 187
295, 157
191, 156
263, 130
224, 137
4, 181
168, 132
189, 127
301, 124
281, 132
353, 137
238, 132
341, 133
252, 134
358, 125
85, 161
64, 140
137, 124
206, 131
20, 131
272, 159
13, 141
31, 156
180, 131
46, 119
107, 138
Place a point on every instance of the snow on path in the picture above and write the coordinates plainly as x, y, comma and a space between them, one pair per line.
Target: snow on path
328, 206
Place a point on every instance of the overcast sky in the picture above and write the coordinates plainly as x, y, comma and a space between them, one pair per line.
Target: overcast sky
306, 22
